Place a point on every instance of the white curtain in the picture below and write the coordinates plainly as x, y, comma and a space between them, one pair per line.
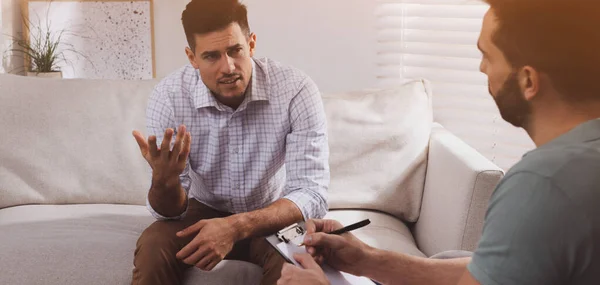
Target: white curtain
436, 40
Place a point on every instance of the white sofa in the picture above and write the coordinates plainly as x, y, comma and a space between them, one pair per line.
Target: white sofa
73, 183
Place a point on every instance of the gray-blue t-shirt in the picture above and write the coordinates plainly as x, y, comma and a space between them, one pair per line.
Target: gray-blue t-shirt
543, 222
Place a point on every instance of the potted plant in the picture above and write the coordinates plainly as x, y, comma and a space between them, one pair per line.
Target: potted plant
42, 49
43, 56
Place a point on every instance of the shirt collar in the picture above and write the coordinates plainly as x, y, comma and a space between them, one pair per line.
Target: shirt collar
257, 90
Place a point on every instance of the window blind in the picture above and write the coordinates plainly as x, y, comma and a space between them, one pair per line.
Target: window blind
437, 40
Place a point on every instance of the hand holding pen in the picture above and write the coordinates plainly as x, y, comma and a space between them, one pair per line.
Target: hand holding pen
328, 241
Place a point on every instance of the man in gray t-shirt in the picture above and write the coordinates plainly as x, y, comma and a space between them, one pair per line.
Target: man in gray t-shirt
542, 61
543, 221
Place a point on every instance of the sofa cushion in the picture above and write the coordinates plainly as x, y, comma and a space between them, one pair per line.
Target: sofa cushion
69, 141
87, 244
378, 142
384, 231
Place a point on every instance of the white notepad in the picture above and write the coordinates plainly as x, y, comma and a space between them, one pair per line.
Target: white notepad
335, 277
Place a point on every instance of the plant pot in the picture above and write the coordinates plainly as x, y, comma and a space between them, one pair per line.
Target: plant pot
54, 74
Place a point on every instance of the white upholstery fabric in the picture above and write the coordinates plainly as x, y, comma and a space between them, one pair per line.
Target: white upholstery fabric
87, 244
52, 213
378, 143
459, 184
75, 144
384, 232
228, 272
69, 141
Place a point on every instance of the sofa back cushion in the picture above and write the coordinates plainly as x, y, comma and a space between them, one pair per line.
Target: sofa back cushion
378, 141
70, 141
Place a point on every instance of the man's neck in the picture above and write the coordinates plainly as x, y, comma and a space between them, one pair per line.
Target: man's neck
549, 125
232, 103
235, 102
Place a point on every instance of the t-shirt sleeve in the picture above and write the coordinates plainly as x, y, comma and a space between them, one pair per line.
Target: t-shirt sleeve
533, 234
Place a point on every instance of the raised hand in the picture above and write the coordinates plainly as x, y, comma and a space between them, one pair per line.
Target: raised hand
166, 164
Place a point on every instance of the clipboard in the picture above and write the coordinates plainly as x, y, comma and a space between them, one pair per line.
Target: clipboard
286, 242
286, 235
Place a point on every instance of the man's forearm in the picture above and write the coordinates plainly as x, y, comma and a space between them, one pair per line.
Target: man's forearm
167, 198
266, 221
392, 268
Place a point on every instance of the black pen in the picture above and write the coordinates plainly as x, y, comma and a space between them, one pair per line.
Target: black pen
348, 228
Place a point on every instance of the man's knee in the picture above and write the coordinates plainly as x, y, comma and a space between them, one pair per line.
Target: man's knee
268, 258
158, 242
154, 258
265, 255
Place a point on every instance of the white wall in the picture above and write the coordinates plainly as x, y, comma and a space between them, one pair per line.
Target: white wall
2, 46
11, 25
169, 38
332, 41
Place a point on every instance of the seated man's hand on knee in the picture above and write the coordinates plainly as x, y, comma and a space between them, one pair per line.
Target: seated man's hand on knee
214, 240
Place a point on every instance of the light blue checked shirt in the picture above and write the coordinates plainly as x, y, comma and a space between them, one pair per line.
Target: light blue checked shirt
273, 146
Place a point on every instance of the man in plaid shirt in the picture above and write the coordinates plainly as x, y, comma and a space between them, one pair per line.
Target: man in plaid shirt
238, 149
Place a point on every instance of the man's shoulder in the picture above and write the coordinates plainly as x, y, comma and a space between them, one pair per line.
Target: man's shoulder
566, 173
550, 190
279, 75
555, 162
177, 82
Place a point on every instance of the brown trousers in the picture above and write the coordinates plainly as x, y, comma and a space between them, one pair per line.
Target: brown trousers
155, 261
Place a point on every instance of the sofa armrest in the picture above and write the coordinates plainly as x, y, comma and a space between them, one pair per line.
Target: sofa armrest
458, 185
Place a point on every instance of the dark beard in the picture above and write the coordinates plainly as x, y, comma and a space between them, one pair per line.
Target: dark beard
511, 102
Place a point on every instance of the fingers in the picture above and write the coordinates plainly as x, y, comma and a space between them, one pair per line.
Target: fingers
324, 240
193, 229
181, 133
331, 225
316, 225
306, 261
152, 146
193, 245
187, 251
320, 259
194, 258
206, 260
141, 141
165, 147
187, 145
212, 265
288, 270
313, 226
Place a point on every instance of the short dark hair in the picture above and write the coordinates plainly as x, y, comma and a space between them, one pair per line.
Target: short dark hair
557, 37
204, 16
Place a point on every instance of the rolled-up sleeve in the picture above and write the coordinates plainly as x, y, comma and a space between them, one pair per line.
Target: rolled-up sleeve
307, 153
160, 117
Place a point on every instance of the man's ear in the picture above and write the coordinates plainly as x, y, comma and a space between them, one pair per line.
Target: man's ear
252, 43
529, 81
191, 57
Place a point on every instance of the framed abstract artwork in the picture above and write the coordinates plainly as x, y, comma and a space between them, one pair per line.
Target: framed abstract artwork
105, 39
